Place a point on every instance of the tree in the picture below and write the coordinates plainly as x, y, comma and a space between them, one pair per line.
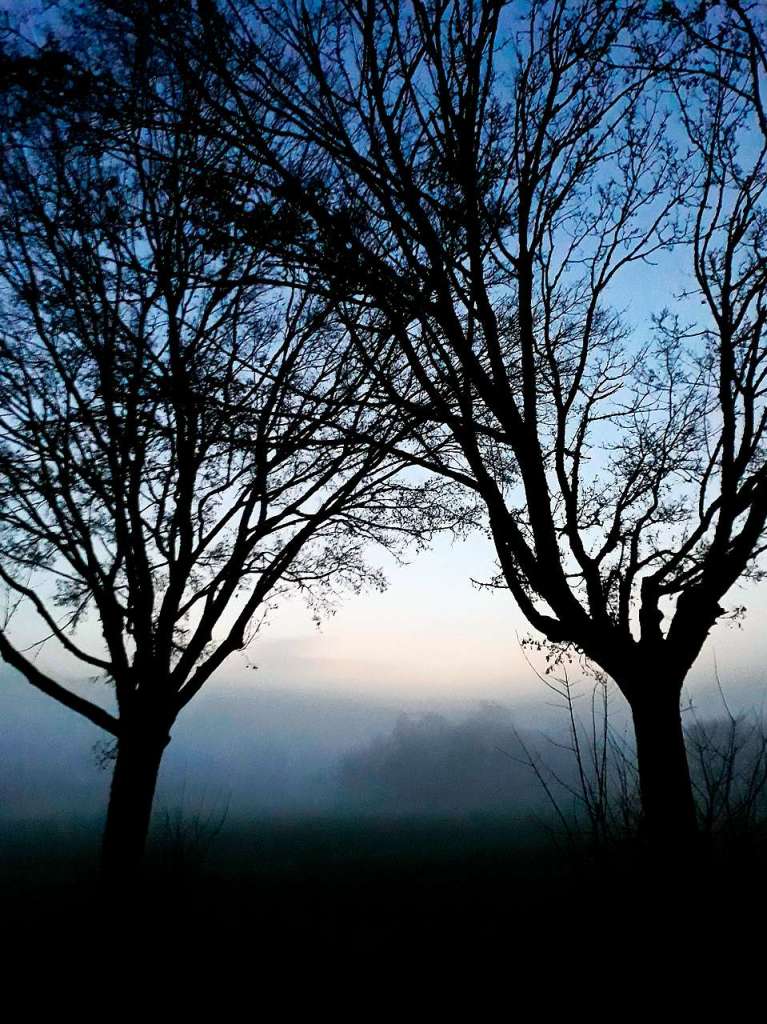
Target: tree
175, 448
478, 179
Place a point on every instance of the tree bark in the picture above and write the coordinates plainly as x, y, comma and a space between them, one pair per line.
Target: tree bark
668, 806
139, 753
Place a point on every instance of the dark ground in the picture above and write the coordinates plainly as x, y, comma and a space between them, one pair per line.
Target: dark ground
372, 888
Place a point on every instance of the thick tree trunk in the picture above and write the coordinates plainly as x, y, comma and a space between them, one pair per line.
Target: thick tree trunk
668, 807
139, 753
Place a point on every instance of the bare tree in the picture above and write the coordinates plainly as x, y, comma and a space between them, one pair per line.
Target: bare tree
729, 772
177, 444
479, 179
594, 796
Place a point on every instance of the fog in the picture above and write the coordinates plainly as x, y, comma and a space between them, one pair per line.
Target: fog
254, 753
263, 752
241, 753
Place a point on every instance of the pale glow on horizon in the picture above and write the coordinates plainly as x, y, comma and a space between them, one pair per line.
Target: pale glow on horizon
430, 632
432, 636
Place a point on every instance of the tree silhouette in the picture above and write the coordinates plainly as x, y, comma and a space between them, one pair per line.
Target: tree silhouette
177, 433
478, 179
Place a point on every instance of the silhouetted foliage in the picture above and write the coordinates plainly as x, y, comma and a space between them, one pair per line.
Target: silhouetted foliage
475, 179
595, 793
177, 446
729, 773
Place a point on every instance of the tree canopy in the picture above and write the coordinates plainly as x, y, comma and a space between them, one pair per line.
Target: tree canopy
179, 424
487, 187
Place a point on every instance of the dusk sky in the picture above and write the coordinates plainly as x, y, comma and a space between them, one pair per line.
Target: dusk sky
433, 636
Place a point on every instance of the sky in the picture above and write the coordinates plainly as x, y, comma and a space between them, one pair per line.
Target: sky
432, 637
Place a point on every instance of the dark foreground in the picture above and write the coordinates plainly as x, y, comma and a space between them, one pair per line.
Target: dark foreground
337, 888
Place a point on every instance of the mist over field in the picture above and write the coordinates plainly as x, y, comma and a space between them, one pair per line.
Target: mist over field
269, 753
316, 813
256, 753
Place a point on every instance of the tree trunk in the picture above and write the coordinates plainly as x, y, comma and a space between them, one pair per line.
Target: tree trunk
668, 807
139, 753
